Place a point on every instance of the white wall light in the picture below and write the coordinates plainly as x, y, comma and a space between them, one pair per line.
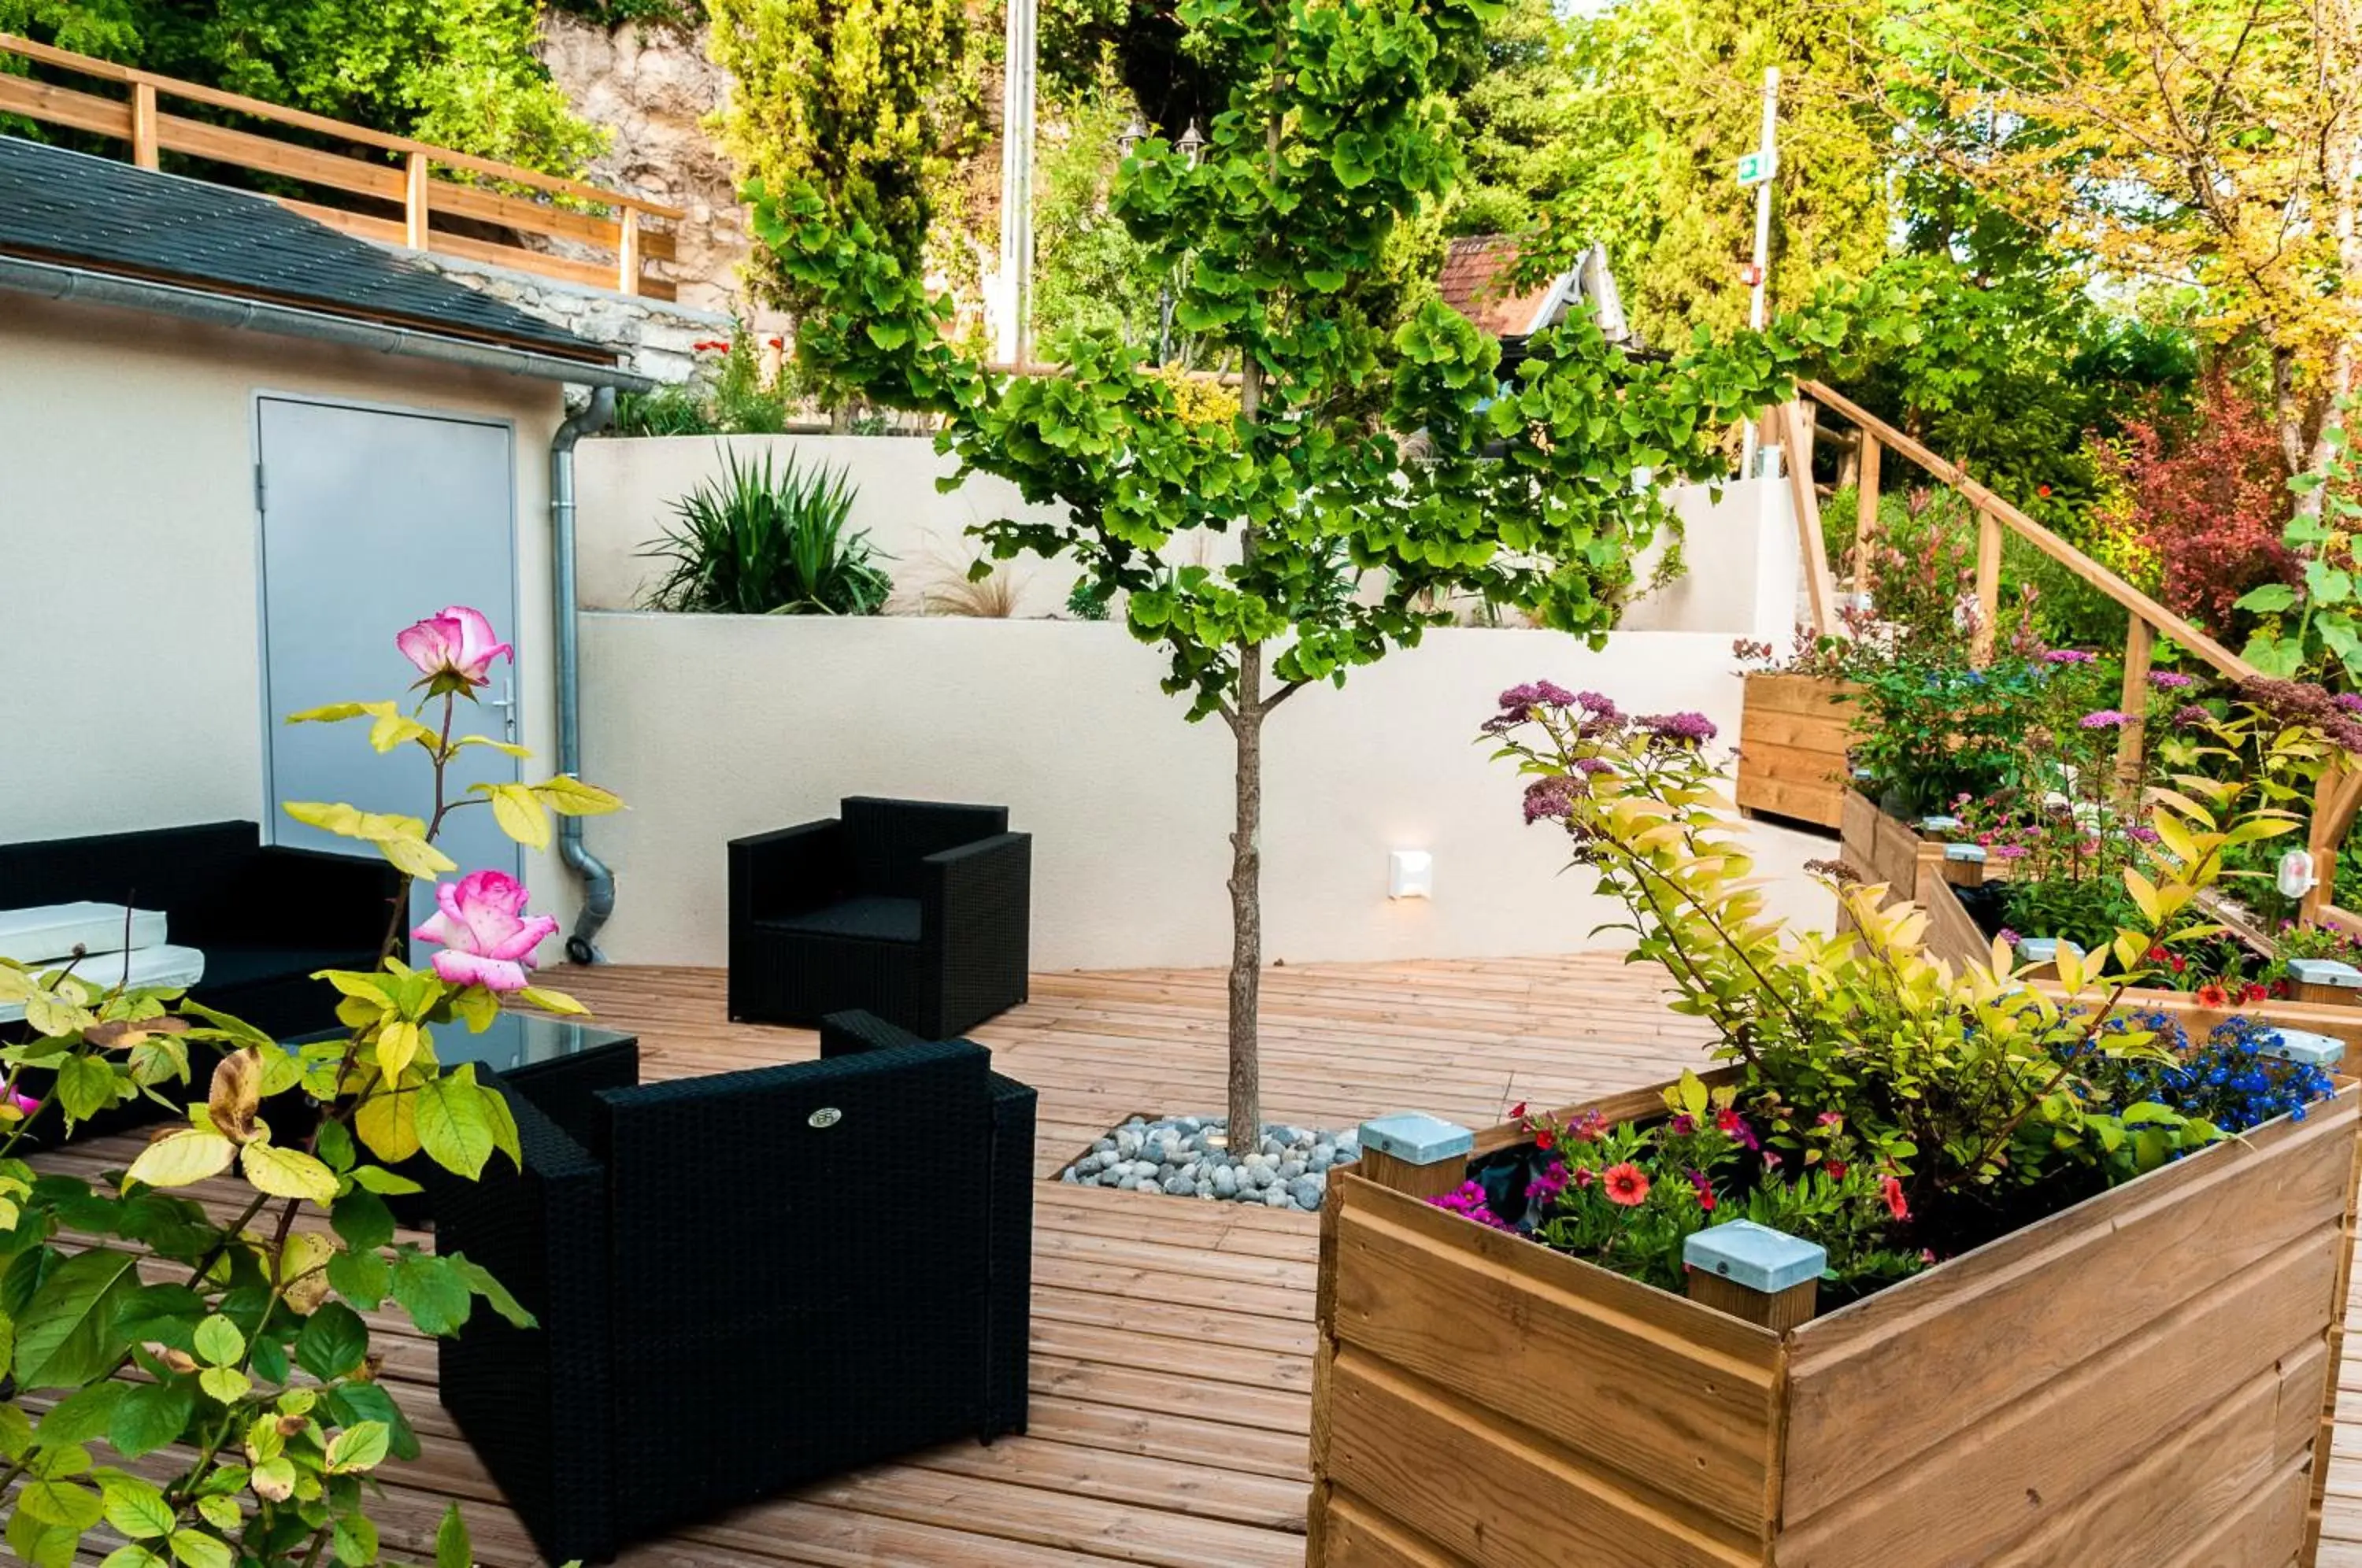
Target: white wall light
1411, 874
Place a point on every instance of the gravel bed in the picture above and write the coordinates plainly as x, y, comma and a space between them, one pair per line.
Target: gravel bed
1185, 1156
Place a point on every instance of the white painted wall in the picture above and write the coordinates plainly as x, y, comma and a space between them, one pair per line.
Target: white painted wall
1741, 543
713, 727
129, 651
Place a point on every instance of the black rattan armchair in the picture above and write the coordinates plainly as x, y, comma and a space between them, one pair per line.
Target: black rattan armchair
916, 910
731, 1298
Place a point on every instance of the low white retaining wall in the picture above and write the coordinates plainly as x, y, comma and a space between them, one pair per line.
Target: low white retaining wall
714, 727
1742, 544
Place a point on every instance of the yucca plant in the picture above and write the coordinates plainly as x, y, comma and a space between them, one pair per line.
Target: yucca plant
760, 543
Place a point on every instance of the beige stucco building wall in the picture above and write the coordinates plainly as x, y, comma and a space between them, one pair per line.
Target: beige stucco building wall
130, 636
718, 727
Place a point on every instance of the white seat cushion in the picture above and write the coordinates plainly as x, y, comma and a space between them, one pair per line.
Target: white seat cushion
162, 967
54, 931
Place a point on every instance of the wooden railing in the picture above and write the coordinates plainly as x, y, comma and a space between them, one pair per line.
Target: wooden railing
384, 171
2338, 795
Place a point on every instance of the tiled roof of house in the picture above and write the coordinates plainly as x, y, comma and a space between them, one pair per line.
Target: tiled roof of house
77, 210
1475, 282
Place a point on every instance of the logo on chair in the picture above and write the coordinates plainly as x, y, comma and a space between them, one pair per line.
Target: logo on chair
826, 1115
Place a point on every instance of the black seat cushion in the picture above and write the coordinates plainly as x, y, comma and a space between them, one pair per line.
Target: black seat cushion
877, 919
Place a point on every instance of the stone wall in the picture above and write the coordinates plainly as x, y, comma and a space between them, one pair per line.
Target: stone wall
655, 337
651, 89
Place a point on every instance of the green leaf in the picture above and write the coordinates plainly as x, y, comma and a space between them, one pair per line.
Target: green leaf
432, 1294
15, 1431
197, 1549
479, 1279
519, 813
452, 1547
361, 1447
134, 1556
333, 1342
67, 1504
2271, 597
354, 1541
152, 1416
335, 1145
452, 1127
550, 1000
134, 1508
65, 1336
361, 1218
226, 1384
219, 1341
219, 1510
84, 1414
378, 1180
356, 1402
42, 1544
362, 1278
86, 1086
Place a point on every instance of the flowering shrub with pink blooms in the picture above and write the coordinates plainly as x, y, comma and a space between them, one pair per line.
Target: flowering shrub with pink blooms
204, 1388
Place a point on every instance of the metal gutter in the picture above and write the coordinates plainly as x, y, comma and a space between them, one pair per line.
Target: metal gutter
53, 280
598, 881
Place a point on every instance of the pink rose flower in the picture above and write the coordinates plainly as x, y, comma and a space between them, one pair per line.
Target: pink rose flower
488, 939
23, 1103
458, 641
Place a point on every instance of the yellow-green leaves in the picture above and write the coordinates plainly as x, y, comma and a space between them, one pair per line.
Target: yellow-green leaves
287, 1173
523, 809
570, 797
390, 727
401, 840
183, 1157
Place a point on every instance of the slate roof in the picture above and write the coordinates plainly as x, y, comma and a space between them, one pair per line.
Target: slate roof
114, 218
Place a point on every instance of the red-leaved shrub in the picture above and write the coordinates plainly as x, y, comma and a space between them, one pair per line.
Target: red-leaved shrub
2209, 496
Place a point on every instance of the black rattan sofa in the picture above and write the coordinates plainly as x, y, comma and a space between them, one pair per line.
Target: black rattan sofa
738, 1288
915, 911
265, 917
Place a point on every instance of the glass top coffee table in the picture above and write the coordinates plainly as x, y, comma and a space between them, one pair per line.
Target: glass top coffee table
519, 1042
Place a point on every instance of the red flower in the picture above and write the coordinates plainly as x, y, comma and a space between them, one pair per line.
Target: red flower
2211, 995
1517, 1111
1705, 1191
2043, 491
1891, 1189
2254, 993
1626, 1183
1545, 1139
779, 343
1837, 1169
710, 345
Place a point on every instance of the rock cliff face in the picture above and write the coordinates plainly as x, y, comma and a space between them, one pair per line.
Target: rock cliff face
652, 88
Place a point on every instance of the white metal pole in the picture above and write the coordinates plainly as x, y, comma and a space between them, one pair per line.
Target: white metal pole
1013, 338
1767, 152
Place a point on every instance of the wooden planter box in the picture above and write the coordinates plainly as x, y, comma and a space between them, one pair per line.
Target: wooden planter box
1792, 733
2144, 1380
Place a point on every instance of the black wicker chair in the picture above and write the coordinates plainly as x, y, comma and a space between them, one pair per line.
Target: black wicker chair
732, 1295
916, 910
266, 917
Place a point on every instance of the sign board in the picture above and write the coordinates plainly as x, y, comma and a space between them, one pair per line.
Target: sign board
1756, 168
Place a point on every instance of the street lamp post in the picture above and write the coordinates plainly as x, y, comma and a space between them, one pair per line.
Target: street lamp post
1191, 145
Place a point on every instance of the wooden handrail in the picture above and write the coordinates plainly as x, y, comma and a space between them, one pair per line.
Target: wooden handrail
1987, 505
420, 193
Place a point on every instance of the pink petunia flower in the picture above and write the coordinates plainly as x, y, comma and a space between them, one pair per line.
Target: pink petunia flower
487, 938
459, 642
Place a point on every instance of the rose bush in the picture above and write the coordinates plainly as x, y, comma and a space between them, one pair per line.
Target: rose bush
196, 1375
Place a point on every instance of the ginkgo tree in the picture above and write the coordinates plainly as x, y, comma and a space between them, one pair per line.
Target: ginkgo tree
244, 1343
1523, 488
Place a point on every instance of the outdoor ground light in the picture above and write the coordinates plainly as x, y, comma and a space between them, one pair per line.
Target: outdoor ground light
1411, 874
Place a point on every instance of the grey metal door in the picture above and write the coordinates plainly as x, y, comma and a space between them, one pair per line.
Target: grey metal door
372, 520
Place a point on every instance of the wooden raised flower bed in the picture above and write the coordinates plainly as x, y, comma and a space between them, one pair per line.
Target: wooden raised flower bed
1793, 734
2145, 1379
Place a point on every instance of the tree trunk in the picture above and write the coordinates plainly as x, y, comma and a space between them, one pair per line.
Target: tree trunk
1246, 909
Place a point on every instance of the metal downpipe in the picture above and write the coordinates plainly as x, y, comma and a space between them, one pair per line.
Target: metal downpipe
598, 881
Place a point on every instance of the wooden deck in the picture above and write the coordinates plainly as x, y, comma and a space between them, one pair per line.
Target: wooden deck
1171, 1338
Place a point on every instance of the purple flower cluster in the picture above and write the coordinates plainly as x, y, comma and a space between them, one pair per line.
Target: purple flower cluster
2070, 655
1550, 797
2169, 680
2104, 718
1679, 729
2348, 700
1541, 694
2189, 714
1469, 1201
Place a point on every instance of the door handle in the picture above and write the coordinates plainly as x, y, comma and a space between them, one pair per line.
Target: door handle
506, 703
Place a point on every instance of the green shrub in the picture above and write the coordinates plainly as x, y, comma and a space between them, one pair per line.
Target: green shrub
761, 543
